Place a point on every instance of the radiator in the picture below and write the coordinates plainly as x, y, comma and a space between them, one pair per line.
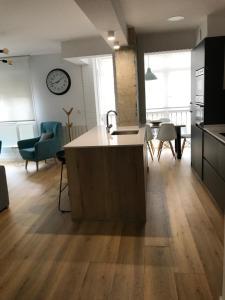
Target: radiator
76, 131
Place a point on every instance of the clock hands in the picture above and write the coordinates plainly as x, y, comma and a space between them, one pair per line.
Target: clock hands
58, 80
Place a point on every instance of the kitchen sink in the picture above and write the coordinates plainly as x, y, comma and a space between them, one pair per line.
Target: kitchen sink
222, 133
124, 132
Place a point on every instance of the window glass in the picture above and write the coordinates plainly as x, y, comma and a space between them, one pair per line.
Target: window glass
15, 91
173, 85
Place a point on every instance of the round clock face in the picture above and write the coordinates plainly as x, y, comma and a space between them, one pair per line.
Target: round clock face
58, 81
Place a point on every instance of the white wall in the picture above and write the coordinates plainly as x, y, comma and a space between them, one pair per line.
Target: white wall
48, 106
211, 26
216, 25
202, 31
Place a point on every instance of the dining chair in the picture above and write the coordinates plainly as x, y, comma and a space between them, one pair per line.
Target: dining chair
149, 138
167, 133
164, 120
184, 136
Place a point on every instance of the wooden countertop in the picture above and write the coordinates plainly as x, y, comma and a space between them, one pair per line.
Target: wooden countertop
98, 137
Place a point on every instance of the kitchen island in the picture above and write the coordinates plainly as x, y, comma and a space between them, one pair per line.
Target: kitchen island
107, 175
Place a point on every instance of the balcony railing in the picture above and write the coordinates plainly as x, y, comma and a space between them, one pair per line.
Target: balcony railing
176, 115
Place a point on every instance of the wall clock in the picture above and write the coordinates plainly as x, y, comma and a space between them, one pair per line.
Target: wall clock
58, 81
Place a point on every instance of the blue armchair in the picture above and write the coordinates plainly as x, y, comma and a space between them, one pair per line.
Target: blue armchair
36, 149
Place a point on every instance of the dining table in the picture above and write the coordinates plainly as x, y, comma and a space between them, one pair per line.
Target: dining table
177, 140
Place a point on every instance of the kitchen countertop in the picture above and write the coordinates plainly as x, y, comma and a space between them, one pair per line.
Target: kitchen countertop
98, 137
215, 131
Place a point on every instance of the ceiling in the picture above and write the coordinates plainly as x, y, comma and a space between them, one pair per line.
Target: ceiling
38, 26
152, 15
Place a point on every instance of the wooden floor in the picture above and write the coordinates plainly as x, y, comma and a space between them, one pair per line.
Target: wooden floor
178, 254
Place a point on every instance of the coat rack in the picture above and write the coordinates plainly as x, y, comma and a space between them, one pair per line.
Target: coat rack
69, 124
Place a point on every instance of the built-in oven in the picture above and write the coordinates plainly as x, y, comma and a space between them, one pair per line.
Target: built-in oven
198, 105
200, 85
199, 113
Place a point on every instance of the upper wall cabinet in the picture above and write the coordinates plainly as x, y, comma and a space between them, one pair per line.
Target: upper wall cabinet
209, 54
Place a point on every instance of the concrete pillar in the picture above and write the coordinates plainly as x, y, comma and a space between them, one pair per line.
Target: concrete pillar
126, 86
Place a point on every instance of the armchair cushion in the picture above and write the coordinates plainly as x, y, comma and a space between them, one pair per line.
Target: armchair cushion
46, 136
28, 153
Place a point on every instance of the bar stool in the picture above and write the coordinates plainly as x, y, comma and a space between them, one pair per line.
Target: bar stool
61, 157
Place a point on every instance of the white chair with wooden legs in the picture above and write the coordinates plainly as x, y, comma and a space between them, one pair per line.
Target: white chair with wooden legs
184, 136
149, 138
164, 120
167, 133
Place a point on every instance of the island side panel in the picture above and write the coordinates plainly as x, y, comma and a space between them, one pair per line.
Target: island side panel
73, 182
107, 183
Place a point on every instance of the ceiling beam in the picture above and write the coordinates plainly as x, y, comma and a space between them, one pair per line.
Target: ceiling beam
106, 15
85, 47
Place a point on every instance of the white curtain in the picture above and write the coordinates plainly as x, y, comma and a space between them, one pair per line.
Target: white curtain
105, 93
173, 85
15, 91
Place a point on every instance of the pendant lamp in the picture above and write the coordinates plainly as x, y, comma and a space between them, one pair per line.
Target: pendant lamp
149, 75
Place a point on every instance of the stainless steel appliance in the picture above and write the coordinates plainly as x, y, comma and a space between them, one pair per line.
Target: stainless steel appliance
200, 79
199, 97
199, 113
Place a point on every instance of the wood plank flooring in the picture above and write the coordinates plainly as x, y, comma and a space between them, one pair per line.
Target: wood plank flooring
177, 254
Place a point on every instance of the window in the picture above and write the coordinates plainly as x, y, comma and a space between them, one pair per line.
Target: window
16, 105
15, 91
104, 86
173, 85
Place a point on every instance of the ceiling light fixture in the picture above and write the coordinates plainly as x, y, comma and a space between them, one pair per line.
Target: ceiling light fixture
4, 50
116, 46
149, 75
175, 19
111, 36
5, 61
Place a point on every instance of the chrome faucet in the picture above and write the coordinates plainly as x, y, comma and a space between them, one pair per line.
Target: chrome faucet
108, 126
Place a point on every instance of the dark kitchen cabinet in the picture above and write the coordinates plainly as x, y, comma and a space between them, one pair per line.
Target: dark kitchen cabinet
214, 168
209, 54
207, 57
214, 153
214, 183
196, 149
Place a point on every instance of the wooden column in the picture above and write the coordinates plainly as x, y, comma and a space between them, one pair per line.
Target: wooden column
125, 63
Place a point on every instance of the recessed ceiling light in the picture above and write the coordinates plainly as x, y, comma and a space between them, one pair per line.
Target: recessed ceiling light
116, 46
4, 50
111, 36
176, 18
